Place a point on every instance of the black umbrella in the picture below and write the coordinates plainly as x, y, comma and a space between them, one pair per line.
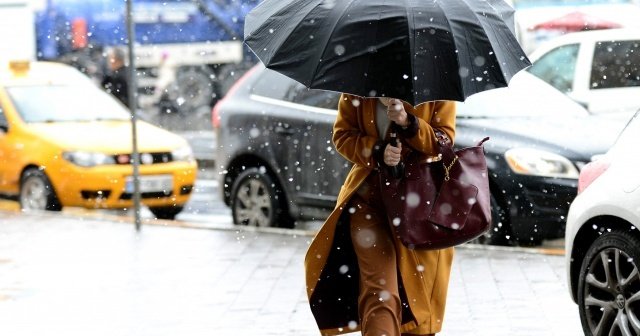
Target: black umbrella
414, 50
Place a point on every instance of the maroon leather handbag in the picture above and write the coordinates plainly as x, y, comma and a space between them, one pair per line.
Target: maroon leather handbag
439, 203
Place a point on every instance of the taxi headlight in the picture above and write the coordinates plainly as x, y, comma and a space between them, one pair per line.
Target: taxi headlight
529, 161
88, 159
183, 153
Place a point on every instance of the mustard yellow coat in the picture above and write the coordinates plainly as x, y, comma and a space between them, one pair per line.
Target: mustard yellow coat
330, 263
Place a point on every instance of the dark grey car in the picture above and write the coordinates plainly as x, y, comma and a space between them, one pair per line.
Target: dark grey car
275, 151
278, 165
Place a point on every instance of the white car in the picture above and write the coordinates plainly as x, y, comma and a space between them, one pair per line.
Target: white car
599, 69
603, 239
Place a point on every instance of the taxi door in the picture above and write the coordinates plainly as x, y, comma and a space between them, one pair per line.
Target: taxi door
4, 128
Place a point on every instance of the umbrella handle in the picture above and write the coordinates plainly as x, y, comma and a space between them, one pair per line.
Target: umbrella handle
396, 171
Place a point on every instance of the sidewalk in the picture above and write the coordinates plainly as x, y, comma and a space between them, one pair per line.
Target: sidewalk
72, 276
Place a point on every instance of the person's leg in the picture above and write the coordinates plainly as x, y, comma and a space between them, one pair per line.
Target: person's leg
379, 304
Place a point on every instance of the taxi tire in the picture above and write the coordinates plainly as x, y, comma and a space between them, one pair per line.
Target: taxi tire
52, 202
166, 212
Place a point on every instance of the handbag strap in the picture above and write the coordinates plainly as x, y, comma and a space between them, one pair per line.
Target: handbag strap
445, 149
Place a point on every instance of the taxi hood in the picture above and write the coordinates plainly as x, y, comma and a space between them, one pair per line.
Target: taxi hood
113, 136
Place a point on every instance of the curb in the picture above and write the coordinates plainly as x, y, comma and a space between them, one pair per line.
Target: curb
162, 222
518, 249
270, 230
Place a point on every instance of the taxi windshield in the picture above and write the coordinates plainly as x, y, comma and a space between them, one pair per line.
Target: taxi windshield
60, 103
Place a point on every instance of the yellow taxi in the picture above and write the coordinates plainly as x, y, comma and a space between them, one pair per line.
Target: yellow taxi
65, 142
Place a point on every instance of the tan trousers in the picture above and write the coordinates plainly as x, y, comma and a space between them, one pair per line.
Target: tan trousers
379, 305
379, 300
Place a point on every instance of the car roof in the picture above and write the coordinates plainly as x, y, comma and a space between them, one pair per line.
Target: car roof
511, 101
603, 34
586, 36
26, 73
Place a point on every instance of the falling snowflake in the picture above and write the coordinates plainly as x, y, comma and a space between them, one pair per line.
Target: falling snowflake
384, 295
463, 72
413, 200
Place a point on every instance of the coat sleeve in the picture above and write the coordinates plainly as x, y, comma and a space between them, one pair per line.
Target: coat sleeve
420, 134
349, 138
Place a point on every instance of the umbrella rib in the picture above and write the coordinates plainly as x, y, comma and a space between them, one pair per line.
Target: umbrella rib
495, 32
278, 12
296, 27
468, 44
412, 45
326, 44
368, 58
452, 38
489, 38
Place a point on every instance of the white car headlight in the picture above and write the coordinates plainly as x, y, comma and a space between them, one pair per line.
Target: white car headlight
529, 161
88, 159
183, 153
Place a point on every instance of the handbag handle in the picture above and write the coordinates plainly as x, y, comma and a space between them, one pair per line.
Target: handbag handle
446, 151
449, 157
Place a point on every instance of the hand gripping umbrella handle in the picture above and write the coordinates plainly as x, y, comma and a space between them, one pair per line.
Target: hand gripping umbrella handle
396, 171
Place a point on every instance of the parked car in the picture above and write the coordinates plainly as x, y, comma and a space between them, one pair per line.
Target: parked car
278, 163
599, 69
65, 142
603, 239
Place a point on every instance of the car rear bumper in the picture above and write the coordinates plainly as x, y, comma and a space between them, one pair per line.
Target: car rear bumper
104, 186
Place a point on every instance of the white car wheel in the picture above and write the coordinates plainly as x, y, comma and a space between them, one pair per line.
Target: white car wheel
609, 286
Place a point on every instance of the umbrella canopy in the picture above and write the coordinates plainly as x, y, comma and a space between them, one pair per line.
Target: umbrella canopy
414, 50
577, 21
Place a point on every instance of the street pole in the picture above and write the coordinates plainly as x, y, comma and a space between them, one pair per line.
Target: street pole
133, 105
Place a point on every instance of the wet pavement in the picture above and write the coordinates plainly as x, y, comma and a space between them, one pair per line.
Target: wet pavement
69, 275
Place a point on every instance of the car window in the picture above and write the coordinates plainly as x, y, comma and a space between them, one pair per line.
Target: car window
616, 64
318, 98
272, 84
65, 103
557, 67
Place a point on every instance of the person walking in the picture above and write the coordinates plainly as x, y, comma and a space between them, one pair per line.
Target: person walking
116, 82
359, 275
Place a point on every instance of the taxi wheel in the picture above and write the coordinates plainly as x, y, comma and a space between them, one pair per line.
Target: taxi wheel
256, 200
36, 192
168, 212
